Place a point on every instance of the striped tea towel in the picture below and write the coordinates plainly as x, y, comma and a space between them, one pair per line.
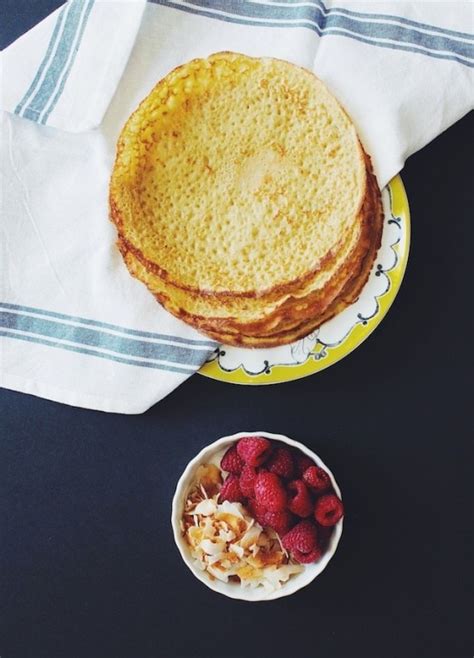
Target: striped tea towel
74, 326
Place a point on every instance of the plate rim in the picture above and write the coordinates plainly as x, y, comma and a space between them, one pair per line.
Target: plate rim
400, 208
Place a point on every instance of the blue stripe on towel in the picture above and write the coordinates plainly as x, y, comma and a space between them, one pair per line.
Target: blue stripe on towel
101, 355
95, 338
74, 47
54, 71
390, 18
199, 344
373, 29
52, 44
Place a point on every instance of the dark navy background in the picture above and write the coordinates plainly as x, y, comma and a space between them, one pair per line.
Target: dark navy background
88, 564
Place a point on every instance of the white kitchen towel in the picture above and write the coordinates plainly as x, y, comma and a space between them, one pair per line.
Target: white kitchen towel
74, 326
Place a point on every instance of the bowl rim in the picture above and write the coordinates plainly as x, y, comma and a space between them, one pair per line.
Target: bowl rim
231, 590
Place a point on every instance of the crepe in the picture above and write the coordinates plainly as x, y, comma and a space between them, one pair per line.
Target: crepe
244, 200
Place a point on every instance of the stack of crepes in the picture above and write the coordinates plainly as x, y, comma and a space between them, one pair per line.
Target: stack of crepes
244, 200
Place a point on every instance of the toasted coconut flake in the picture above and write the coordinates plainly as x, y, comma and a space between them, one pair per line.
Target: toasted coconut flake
205, 507
248, 572
232, 508
195, 535
212, 548
226, 535
217, 573
282, 548
212, 559
232, 521
238, 550
251, 536
208, 477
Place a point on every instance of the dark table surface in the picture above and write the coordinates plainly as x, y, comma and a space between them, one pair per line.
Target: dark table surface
89, 567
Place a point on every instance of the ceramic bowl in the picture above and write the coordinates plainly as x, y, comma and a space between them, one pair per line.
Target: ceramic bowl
212, 453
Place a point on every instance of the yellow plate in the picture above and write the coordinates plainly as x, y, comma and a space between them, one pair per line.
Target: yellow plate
338, 337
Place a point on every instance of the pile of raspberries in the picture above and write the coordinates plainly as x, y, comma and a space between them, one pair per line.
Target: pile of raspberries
283, 489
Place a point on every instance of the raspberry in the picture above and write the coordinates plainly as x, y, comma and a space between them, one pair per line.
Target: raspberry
281, 522
306, 558
269, 492
254, 449
232, 462
247, 481
303, 537
299, 500
303, 462
230, 490
256, 510
328, 510
317, 478
281, 463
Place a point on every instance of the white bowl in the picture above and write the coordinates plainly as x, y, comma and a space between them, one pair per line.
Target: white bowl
234, 590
